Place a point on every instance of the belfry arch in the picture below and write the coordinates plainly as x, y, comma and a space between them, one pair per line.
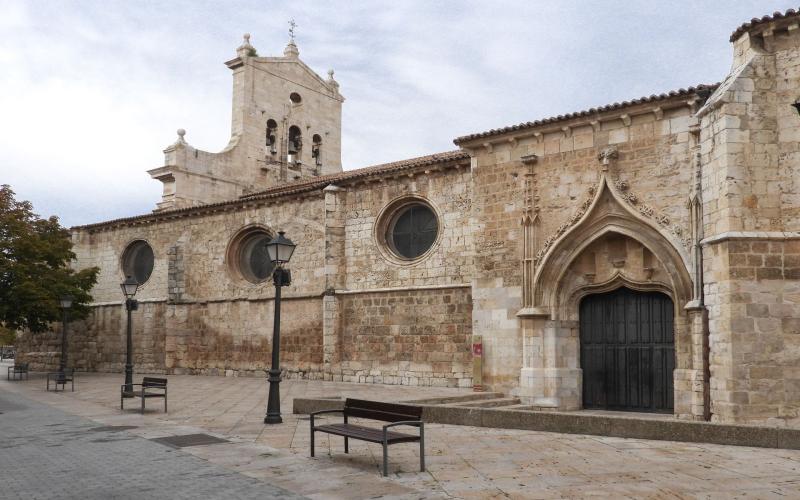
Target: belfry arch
606, 246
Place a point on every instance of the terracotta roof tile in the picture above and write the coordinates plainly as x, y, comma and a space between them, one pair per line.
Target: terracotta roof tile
756, 21
298, 187
382, 169
588, 112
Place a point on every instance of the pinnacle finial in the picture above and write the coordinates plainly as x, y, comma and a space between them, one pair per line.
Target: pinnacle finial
330, 74
292, 26
245, 49
181, 133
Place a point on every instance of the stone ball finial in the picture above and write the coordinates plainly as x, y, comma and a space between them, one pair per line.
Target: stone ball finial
181, 133
246, 37
330, 74
291, 51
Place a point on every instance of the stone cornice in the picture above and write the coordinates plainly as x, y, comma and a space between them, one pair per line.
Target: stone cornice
751, 235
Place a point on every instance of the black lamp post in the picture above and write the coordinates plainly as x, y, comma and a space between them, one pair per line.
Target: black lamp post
129, 287
280, 250
66, 303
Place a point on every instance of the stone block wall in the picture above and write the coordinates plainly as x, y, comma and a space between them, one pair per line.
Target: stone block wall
415, 337
755, 331
370, 264
99, 342
235, 338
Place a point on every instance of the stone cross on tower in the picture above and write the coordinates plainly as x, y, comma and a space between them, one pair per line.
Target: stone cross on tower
292, 26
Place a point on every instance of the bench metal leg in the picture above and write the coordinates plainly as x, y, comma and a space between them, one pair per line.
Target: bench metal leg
422, 448
346, 447
121, 400
385, 459
143, 404
312, 441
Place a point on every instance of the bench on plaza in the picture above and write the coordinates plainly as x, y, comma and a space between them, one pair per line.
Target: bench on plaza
17, 371
149, 388
61, 379
374, 410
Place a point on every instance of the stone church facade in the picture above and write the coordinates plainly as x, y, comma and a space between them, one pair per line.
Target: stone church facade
642, 256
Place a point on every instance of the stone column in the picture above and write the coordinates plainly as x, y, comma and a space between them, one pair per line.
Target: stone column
550, 377
335, 269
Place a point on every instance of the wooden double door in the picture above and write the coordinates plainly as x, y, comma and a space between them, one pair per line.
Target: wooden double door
627, 351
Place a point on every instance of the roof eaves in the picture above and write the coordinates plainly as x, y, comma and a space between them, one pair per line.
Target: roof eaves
588, 112
765, 19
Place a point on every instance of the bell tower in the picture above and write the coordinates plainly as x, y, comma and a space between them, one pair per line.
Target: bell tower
286, 125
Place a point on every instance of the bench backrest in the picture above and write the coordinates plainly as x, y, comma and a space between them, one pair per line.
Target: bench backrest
20, 366
154, 382
376, 410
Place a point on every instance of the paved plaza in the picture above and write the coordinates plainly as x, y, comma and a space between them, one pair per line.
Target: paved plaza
259, 461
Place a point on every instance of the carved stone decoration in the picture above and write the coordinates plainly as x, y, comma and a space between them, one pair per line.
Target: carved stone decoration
622, 188
571, 221
607, 155
530, 227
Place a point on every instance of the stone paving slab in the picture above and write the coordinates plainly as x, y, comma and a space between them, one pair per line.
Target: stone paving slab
463, 461
46, 453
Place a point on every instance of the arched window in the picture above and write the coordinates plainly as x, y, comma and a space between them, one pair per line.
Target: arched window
295, 98
295, 140
272, 143
316, 149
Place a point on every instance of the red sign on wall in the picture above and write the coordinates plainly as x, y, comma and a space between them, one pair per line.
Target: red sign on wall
477, 349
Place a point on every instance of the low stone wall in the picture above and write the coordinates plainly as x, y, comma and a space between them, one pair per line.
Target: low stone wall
419, 337
231, 338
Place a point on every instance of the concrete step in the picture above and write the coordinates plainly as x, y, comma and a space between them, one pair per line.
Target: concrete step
523, 407
489, 403
475, 396
615, 424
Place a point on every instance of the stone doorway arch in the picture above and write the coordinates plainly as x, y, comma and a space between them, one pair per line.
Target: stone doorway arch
608, 246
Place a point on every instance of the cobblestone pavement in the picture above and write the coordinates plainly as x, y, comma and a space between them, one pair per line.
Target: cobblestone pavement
46, 453
463, 462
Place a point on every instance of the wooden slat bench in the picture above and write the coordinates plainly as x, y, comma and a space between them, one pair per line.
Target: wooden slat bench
375, 410
150, 388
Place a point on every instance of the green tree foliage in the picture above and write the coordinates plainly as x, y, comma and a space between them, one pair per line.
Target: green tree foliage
7, 336
35, 254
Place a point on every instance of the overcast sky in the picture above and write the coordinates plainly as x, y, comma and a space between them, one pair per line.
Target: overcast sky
92, 92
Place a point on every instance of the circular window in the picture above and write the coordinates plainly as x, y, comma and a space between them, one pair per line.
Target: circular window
412, 230
295, 98
137, 261
249, 255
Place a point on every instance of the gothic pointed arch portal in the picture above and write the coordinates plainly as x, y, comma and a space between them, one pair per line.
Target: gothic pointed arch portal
606, 245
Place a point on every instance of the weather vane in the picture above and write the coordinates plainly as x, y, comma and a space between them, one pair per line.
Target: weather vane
292, 26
